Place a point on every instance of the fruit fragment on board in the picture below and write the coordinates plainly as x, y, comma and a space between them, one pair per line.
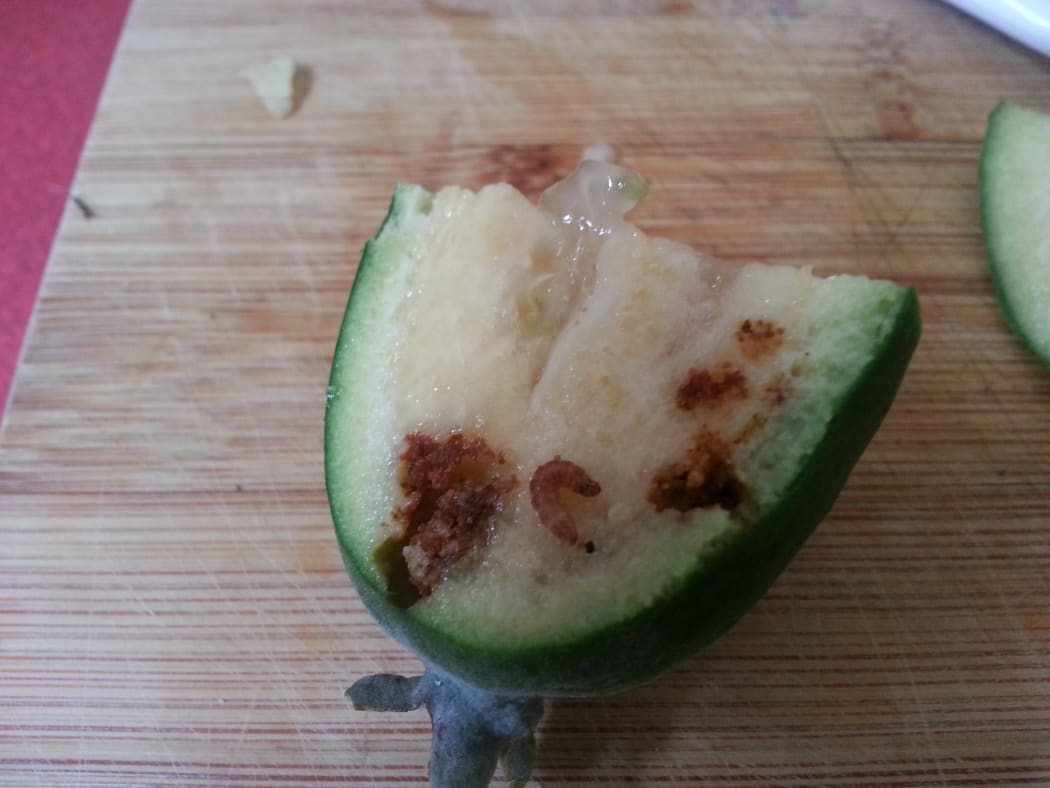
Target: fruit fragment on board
281, 84
1015, 212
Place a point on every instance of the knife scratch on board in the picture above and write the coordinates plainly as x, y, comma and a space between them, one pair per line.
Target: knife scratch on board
302, 262
217, 252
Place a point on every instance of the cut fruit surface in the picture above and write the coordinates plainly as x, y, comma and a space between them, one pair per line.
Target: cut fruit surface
561, 455
1015, 210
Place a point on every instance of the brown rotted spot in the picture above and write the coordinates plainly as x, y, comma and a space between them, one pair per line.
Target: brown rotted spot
705, 478
545, 493
710, 389
776, 391
751, 429
759, 339
453, 488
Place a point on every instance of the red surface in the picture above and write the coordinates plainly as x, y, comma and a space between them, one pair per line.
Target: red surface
54, 56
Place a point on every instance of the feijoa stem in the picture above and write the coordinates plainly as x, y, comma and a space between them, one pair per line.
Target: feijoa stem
472, 728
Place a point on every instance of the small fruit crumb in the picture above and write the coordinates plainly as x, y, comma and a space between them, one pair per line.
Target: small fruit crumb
279, 83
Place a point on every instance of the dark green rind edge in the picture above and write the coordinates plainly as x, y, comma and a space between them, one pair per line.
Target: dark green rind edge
730, 579
990, 228
368, 271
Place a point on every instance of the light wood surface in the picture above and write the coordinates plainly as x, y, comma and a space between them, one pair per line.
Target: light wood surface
173, 609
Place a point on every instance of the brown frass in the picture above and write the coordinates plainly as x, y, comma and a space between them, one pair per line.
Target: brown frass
705, 388
453, 488
705, 477
759, 339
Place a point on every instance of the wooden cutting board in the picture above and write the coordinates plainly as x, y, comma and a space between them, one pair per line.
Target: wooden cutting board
172, 606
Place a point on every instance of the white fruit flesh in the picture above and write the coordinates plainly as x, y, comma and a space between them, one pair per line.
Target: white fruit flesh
1015, 201
548, 337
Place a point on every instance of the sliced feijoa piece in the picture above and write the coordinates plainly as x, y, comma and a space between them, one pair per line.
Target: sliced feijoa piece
1015, 209
562, 455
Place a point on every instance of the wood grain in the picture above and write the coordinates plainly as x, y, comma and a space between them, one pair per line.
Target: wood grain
172, 606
